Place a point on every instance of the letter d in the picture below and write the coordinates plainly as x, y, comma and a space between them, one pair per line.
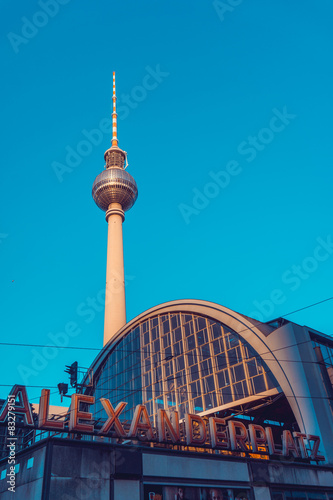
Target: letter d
94, 136
28, 30
38, 362
72, 158
222, 178
266, 307
50, 6
59, 339
199, 201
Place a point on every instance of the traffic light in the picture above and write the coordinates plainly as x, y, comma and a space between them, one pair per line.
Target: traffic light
72, 370
63, 389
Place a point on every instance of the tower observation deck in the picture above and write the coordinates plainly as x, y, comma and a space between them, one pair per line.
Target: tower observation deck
114, 191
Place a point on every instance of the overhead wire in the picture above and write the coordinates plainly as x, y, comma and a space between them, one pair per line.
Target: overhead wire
98, 349
186, 371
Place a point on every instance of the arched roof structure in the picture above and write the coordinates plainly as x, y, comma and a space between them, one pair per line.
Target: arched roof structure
253, 333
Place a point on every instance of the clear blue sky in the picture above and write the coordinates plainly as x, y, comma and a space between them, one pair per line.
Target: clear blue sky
244, 96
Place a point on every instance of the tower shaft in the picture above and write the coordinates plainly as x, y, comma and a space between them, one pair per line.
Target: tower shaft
115, 306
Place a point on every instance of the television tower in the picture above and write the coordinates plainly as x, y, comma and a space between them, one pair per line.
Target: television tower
114, 191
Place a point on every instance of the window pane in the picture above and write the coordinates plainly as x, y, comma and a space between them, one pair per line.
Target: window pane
198, 404
175, 321
194, 370
168, 368
217, 331
223, 378
208, 384
167, 353
201, 322
259, 384
239, 372
252, 368
166, 327
191, 358
154, 333
233, 355
180, 363
183, 394
190, 342
221, 361
202, 337
157, 345
188, 329
218, 346
210, 400
245, 389
180, 378
166, 340
277, 495
178, 348
195, 390
226, 395
177, 334
204, 352
171, 384
233, 340
299, 495
206, 367
239, 391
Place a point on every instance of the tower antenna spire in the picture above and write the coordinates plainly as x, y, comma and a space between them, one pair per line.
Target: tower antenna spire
114, 141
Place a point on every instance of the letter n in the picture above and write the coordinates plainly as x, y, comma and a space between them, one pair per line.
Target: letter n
171, 425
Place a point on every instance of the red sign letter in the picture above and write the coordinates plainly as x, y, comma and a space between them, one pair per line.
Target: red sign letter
21, 407
76, 414
113, 418
191, 439
44, 413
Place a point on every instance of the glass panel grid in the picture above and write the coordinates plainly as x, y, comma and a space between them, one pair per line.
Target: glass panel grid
181, 362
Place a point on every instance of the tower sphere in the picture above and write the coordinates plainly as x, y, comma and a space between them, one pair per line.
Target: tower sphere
114, 185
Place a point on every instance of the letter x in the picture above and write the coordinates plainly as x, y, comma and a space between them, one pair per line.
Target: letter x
113, 418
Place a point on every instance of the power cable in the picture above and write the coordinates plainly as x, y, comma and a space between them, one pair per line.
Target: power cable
139, 350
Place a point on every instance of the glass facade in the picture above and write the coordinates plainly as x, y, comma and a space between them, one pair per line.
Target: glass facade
180, 361
120, 376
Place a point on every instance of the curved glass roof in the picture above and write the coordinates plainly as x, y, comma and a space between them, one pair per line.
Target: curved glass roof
180, 361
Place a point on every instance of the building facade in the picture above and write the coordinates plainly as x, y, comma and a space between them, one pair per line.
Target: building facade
64, 469
198, 357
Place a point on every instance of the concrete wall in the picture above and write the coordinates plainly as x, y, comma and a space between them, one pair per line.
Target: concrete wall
294, 363
29, 482
80, 473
